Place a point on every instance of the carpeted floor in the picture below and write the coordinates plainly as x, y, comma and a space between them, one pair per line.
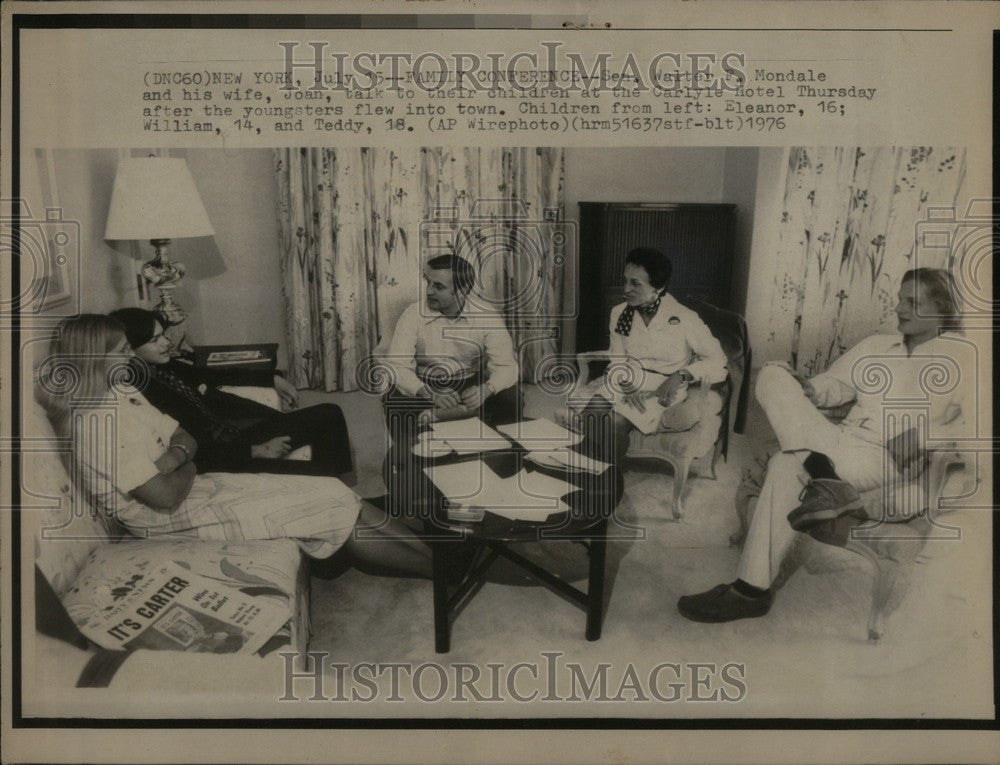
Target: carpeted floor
809, 657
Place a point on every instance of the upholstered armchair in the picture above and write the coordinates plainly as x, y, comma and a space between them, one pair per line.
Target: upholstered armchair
703, 444
905, 516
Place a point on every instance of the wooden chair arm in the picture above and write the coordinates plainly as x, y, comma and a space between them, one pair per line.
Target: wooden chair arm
942, 458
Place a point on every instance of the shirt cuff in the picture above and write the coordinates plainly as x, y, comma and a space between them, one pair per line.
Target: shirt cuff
407, 381
501, 381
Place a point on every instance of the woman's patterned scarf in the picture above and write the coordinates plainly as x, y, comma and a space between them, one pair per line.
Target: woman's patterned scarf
624, 325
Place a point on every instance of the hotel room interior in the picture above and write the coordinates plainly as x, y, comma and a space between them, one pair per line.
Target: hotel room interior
804, 298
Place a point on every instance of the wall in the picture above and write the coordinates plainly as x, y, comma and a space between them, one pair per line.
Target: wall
643, 175
233, 289
83, 182
244, 303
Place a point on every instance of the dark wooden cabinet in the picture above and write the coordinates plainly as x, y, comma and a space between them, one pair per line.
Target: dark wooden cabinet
698, 238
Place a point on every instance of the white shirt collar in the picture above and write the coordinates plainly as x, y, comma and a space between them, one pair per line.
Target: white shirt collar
438, 315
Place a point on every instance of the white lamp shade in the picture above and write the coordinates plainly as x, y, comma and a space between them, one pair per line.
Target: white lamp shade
155, 198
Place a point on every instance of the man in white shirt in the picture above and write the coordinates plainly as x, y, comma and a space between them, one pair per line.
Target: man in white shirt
813, 483
450, 359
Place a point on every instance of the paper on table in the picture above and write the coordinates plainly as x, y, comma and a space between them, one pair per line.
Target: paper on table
469, 435
471, 427
431, 449
541, 434
566, 458
536, 494
461, 482
524, 496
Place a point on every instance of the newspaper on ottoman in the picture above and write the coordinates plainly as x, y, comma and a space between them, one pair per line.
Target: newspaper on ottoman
171, 608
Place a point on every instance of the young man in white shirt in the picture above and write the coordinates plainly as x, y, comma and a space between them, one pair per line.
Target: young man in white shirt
449, 358
813, 483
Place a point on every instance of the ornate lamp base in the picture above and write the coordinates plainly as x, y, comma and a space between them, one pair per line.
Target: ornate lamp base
166, 276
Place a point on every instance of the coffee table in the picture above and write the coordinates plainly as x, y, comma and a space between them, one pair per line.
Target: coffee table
591, 502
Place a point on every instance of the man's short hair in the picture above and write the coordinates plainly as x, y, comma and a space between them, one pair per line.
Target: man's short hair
656, 265
463, 274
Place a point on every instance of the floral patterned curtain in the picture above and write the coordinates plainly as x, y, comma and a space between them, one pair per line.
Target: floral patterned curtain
504, 210
847, 234
355, 225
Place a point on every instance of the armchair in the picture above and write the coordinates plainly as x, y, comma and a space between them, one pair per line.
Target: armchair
708, 439
908, 510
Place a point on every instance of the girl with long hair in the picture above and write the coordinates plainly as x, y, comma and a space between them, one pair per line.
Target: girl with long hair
136, 465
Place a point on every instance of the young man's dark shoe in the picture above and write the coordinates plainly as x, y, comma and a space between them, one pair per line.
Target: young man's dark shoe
726, 603
824, 500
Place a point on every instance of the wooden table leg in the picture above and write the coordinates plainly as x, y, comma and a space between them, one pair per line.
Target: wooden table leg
595, 586
442, 629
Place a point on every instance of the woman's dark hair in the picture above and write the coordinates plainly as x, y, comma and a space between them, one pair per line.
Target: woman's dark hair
139, 324
940, 289
463, 274
656, 265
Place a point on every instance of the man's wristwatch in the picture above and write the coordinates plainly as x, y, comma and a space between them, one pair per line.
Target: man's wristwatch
490, 390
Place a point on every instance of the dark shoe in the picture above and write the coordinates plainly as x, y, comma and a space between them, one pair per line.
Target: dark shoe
723, 604
824, 500
838, 531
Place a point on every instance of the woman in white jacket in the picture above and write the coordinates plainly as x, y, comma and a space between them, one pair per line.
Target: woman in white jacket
658, 348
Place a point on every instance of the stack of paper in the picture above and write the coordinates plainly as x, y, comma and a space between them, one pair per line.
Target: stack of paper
566, 458
523, 496
465, 436
541, 435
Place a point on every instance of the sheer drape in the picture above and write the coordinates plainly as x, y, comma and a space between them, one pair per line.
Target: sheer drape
357, 224
846, 235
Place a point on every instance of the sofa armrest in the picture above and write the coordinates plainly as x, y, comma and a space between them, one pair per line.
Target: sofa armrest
265, 396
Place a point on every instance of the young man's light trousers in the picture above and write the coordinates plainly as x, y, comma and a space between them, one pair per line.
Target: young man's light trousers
801, 428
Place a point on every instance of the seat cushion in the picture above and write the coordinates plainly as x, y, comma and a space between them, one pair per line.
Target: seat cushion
265, 573
698, 435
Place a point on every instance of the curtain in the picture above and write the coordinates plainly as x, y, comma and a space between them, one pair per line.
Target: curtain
846, 236
357, 224
504, 208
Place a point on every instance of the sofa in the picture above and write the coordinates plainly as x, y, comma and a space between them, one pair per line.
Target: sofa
81, 566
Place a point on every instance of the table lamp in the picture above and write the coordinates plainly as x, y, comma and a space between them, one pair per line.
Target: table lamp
155, 198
